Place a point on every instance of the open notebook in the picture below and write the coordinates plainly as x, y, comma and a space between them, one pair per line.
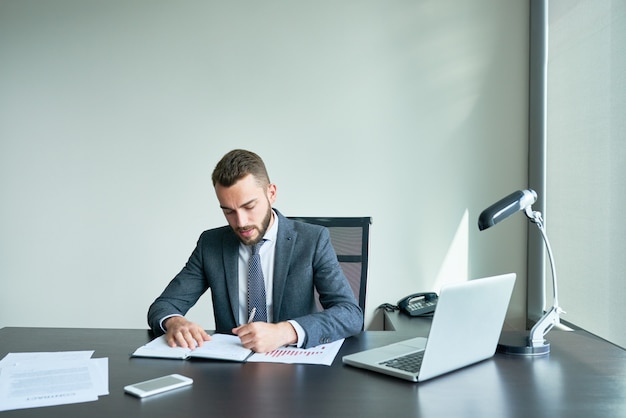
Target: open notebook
221, 347
228, 347
465, 329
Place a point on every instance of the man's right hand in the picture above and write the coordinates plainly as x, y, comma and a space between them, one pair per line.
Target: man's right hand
184, 333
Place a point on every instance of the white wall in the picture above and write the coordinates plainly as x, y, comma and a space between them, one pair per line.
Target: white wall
114, 113
586, 151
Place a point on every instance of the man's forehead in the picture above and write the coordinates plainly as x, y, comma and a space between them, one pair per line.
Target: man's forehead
240, 194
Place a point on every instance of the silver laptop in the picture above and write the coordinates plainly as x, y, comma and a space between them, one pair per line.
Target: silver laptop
465, 329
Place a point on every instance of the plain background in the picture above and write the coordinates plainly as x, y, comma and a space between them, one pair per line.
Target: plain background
586, 151
114, 113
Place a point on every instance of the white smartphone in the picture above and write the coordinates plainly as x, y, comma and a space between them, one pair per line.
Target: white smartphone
158, 385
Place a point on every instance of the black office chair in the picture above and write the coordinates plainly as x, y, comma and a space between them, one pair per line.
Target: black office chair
350, 239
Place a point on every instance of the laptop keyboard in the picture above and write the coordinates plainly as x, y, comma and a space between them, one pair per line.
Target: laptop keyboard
409, 363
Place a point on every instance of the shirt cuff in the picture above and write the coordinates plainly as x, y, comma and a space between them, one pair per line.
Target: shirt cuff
300, 331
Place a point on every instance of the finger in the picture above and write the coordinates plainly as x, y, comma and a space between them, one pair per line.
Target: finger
200, 336
171, 340
181, 339
247, 337
178, 340
243, 330
190, 340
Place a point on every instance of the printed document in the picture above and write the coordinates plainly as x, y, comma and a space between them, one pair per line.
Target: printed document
321, 354
29, 380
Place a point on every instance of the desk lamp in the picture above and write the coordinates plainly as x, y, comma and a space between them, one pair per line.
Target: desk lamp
524, 343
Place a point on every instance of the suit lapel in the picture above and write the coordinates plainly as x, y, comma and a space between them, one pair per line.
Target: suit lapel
285, 242
231, 265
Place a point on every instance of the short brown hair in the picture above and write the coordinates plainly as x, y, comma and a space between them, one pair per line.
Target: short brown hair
238, 163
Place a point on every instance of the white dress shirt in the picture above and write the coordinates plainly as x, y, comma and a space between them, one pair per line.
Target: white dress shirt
267, 253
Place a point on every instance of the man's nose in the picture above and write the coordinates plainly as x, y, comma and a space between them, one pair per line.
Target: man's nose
241, 219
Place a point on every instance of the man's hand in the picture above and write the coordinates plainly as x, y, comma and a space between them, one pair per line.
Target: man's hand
184, 333
262, 337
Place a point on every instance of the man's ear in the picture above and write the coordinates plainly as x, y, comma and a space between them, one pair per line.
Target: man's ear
271, 193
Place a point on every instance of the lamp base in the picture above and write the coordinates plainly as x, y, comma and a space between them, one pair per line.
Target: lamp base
517, 343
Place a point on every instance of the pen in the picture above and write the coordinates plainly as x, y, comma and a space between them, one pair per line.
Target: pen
251, 317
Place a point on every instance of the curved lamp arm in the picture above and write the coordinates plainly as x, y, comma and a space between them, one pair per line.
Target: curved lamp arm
551, 318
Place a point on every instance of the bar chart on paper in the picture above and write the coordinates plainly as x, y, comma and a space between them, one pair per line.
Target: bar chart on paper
321, 354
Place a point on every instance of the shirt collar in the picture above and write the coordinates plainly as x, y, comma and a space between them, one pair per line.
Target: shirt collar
272, 232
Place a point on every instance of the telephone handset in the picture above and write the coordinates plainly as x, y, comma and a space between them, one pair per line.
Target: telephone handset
418, 304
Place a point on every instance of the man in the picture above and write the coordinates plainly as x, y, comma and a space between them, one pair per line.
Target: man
296, 259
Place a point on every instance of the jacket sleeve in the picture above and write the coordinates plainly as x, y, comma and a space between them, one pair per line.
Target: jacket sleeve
341, 316
181, 293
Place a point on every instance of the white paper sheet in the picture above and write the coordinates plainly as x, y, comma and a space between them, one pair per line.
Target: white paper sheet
15, 358
321, 354
29, 380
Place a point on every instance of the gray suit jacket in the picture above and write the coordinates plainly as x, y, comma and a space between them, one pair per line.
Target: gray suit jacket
305, 261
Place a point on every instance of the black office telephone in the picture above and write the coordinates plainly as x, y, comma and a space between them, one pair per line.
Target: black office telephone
418, 304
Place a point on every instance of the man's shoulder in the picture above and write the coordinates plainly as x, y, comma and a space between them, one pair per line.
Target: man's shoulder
305, 226
216, 233
302, 227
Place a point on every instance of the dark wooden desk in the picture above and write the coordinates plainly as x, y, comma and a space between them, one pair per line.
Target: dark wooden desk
582, 377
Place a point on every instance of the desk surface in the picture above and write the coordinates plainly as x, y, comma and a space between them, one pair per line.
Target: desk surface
582, 376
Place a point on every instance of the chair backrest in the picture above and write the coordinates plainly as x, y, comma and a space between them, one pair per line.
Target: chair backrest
350, 239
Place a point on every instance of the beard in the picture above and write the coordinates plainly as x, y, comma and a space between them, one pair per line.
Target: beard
262, 229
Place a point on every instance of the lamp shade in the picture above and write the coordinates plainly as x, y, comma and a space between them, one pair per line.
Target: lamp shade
506, 207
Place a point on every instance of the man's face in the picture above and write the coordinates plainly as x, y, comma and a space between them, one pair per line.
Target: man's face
247, 207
